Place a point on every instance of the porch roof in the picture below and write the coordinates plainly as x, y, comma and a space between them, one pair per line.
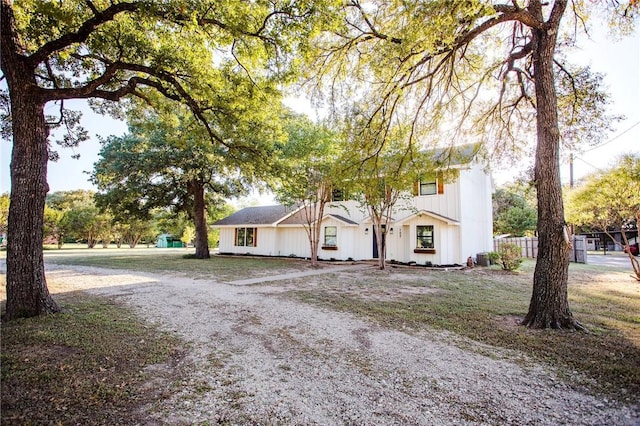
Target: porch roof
298, 218
445, 219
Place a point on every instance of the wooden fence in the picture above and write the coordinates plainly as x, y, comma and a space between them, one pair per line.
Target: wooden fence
529, 247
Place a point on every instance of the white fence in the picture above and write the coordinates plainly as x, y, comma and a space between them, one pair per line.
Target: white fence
529, 247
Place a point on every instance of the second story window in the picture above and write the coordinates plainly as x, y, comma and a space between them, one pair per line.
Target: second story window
429, 187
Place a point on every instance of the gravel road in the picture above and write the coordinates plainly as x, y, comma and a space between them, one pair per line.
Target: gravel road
256, 357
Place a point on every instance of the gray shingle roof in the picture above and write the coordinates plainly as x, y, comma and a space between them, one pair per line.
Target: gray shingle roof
262, 215
344, 219
269, 215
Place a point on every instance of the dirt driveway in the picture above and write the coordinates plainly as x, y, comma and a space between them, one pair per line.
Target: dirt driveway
255, 357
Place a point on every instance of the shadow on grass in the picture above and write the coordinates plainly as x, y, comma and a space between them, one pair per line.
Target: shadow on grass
85, 365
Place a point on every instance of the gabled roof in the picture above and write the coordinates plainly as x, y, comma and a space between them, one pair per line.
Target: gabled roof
261, 215
434, 215
342, 219
298, 218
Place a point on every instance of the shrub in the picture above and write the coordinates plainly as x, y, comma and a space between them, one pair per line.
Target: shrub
510, 256
494, 257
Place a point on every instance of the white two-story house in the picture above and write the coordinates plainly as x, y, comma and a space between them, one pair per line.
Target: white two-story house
443, 223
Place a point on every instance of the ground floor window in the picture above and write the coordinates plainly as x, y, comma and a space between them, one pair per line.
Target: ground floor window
330, 236
424, 236
246, 237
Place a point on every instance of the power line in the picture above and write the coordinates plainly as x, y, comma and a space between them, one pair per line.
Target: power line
588, 164
613, 138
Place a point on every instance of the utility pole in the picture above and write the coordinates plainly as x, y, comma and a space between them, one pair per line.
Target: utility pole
571, 185
571, 170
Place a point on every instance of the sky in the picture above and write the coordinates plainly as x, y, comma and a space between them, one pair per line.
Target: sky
619, 60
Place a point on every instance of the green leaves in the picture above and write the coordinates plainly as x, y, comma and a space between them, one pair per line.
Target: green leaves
308, 161
610, 199
514, 210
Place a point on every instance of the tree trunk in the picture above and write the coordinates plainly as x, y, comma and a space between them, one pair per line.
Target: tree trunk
549, 306
27, 293
318, 213
382, 246
200, 220
314, 242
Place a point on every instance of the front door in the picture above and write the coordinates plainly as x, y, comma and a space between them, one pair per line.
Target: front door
375, 241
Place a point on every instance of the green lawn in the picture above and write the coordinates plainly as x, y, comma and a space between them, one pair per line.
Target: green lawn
178, 261
85, 365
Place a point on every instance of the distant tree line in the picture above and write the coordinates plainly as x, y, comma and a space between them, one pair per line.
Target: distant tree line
74, 217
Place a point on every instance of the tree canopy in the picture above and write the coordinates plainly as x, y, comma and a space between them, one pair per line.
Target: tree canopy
514, 209
477, 70
167, 160
310, 169
108, 52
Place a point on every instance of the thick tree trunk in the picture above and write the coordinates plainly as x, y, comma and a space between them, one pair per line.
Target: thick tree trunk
27, 293
200, 220
549, 306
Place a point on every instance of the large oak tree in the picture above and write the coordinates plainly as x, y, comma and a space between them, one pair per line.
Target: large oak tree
166, 161
109, 51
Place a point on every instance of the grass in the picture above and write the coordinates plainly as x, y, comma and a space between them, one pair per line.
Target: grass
220, 268
486, 305
83, 366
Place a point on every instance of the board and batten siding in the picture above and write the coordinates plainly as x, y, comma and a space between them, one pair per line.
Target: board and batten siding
265, 241
346, 241
476, 217
292, 241
446, 204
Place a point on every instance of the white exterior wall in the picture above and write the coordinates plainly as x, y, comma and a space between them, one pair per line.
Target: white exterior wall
346, 236
447, 204
226, 240
466, 201
347, 209
292, 241
403, 242
266, 238
476, 213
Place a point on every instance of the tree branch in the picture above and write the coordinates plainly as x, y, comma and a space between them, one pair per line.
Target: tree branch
83, 33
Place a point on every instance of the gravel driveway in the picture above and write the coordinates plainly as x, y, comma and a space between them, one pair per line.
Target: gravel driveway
255, 357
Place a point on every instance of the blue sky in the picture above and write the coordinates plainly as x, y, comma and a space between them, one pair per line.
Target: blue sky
619, 60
